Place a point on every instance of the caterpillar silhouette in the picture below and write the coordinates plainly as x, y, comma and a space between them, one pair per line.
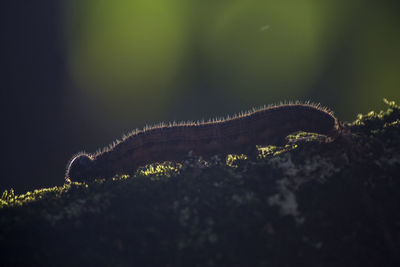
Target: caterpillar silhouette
269, 125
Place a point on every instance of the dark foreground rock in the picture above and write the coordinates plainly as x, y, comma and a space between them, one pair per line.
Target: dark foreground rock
310, 203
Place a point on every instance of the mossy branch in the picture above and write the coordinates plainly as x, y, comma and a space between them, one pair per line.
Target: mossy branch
310, 203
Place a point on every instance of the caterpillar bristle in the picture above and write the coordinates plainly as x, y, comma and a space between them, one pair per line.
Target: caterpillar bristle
214, 120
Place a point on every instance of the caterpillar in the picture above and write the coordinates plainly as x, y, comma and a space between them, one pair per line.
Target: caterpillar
268, 125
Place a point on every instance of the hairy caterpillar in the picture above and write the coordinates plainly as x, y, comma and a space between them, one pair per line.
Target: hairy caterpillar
268, 125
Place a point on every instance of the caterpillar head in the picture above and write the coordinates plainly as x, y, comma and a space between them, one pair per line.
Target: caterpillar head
79, 168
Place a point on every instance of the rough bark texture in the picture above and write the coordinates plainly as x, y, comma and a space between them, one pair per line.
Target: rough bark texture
310, 203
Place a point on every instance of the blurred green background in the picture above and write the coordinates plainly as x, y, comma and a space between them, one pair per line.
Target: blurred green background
141, 61
90, 70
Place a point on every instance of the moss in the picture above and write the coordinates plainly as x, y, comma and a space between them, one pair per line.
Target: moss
310, 202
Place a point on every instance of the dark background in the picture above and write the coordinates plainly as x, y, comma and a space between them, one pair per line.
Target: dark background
78, 74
